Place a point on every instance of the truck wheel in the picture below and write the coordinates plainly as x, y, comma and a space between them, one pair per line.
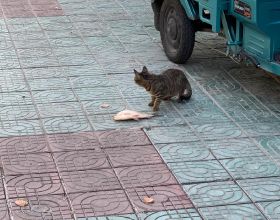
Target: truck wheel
176, 31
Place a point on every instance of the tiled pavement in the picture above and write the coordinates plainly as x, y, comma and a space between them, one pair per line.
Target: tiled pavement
215, 157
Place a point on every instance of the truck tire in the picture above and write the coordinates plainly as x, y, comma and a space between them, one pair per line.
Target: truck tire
176, 31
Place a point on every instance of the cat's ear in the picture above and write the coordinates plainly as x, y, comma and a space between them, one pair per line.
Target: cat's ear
145, 70
135, 71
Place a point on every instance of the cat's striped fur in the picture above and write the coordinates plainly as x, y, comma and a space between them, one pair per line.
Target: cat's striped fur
170, 83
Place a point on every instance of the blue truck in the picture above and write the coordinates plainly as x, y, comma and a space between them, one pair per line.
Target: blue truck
251, 28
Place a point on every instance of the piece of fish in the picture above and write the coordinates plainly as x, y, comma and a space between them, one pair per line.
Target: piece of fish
131, 115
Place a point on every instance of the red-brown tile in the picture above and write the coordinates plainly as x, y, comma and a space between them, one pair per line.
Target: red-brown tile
31, 8
4, 213
81, 160
148, 175
75, 141
15, 164
121, 138
18, 14
33, 184
23, 145
49, 13
165, 198
2, 194
136, 155
100, 203
90, 180
45, 7
42, 2
42, 207
14, 2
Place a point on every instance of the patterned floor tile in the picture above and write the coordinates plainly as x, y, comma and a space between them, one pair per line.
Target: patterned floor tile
171, 134
76, 60
35, 62
146, 175
2, 194
271, 145
234, 148
80, 160
73, 141
33, 185
251, 167
66, 42
263, 189
236, 212
215, 194
271, 209
260, 129
218, 131
165, 198
113, 106
94, 93
112, 217
93, 204
16, 164
4, 213
60, 109
43, 73
131, 156
91, 81
23, 145
50, 96
90, 180
15, 98
14, 83
43, 207
32, 9
82, 70
187, 214
18, 128
123, 138
9, 64
66, 124
31, 43
49, 83
169, 119
180, 152
204, 110
200, 171
18, 112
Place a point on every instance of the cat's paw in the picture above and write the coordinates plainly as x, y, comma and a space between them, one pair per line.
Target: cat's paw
151, 104
155, 109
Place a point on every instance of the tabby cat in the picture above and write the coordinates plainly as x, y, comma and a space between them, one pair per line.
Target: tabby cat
169, 83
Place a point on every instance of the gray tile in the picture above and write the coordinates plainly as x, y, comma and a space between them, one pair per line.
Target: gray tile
235, 148
171, 134
66, 124
251, 167
271, 209
262, 189
198, 171
237, 212
214, 194
184, 152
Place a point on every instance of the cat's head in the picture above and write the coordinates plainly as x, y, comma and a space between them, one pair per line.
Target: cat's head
141, 78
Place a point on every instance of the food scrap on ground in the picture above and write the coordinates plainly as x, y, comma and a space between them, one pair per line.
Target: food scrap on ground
21, 202
148, 200
131, 115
